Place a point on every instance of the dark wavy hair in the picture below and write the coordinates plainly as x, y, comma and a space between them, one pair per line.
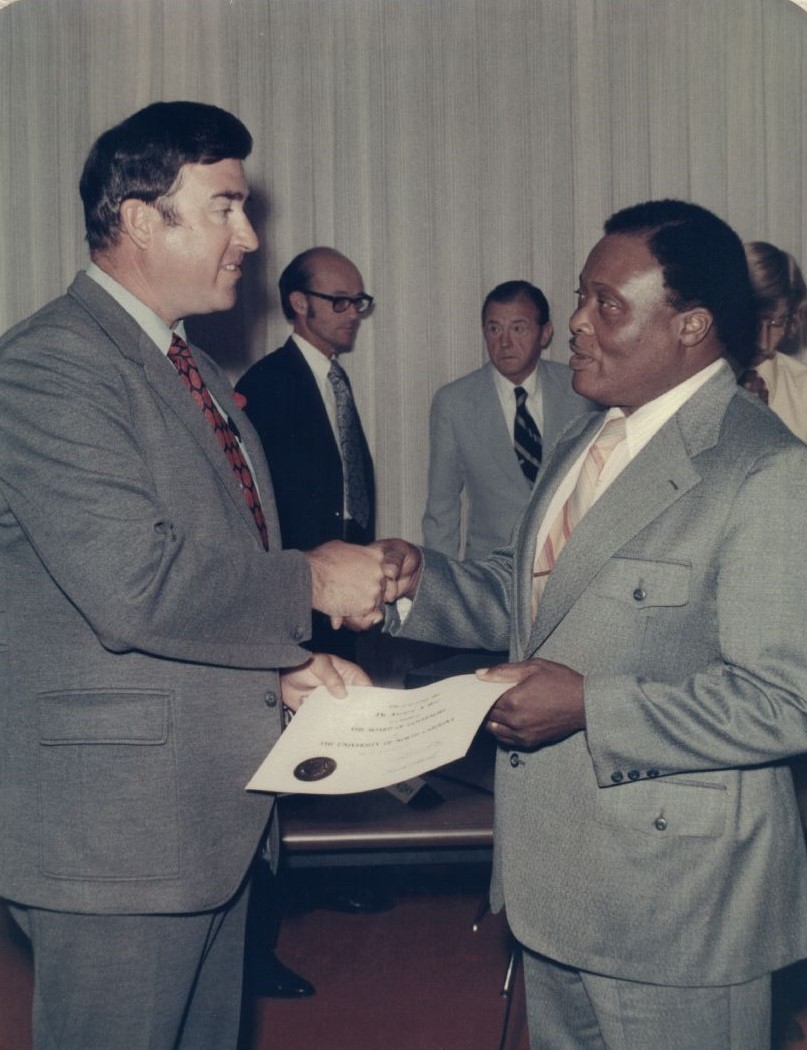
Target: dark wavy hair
510, 290
141, 157
703, 263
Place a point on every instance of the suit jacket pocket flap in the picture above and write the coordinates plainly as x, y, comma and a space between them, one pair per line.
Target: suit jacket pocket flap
666, 807
99, 716
644, 584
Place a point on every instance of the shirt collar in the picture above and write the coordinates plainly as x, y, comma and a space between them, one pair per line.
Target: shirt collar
505, 387
648, 419
154, 327
318, 362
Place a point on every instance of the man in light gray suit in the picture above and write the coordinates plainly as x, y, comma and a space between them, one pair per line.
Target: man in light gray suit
648, 846
473, 429
145, 605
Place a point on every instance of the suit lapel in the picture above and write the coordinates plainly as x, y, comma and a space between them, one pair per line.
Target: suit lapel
559, 402
553, 471
661, 474
161, 376
260, 473
553, 403
487, 423
311, 406
164, 381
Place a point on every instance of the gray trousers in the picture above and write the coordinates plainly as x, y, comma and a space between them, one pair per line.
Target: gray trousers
143, 982
570, 1009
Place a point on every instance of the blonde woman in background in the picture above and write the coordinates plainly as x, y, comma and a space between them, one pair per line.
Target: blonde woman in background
777, 376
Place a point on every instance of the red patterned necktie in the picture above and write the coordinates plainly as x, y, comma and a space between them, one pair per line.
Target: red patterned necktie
181, 358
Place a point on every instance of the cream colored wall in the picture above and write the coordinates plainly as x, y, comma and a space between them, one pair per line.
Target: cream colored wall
445, 145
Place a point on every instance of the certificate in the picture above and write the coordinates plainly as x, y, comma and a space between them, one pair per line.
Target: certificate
375, 737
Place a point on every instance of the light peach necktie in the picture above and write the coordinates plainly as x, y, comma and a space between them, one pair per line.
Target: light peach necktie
577, 504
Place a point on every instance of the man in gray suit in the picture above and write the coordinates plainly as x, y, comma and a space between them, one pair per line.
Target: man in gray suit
145, 605
474, 426
648, 846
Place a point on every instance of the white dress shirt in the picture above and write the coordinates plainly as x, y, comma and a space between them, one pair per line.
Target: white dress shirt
640, 426
320, 365
507, 399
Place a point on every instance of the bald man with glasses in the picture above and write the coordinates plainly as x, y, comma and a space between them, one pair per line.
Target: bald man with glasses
299, 400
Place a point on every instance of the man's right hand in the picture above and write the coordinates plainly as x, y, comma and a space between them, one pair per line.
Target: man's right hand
401, 565
347, 580
402, 562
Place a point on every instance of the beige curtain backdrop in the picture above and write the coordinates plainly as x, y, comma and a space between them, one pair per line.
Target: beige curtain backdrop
444, 145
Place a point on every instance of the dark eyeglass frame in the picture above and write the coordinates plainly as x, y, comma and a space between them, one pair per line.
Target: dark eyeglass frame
340, 303
779, 323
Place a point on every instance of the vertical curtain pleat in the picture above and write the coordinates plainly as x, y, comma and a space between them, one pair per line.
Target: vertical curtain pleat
444, 145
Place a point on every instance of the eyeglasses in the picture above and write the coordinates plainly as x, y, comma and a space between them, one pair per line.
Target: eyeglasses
778, 324
340, 303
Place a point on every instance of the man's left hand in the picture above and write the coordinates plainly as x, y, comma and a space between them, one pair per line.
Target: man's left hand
331, 671
544, 705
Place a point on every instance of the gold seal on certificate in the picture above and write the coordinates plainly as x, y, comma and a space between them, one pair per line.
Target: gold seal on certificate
375, 737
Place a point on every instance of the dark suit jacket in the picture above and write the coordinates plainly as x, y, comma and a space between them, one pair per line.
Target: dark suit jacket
141, 622
286, 409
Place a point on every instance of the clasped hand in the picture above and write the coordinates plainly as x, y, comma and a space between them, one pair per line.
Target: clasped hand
351, 583
545, 703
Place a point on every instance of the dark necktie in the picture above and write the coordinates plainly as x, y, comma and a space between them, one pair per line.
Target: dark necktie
350, 443
181, 358
526, 438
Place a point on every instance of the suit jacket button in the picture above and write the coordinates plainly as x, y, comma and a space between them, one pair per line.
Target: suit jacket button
639, 594
516, 760
298, 634
633, 774
270, 698
652, 773
660, 824
617, 777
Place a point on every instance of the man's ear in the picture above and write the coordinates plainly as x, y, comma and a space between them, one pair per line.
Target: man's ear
298, 302
696, 324
137, 221
547, 331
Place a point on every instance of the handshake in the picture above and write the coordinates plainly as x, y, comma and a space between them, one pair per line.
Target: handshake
351, 584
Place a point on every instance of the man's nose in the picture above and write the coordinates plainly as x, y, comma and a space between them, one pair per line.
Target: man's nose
577, 320
247, 237
764, 336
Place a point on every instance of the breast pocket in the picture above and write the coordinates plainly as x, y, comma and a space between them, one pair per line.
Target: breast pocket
641, 585
108, 786
625, 617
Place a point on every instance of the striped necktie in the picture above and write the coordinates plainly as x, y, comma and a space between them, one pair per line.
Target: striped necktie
181, 358
577, 504
526, 438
